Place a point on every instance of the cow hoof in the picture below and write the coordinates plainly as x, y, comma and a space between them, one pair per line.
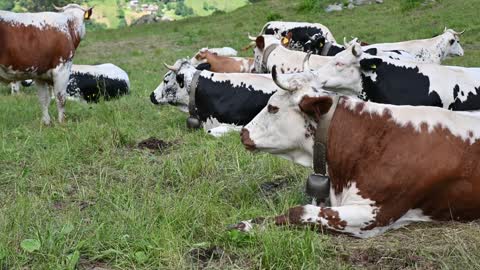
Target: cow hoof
193, 123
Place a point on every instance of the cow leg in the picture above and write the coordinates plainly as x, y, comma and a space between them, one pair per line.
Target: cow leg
44, 97
60, 82
349, 219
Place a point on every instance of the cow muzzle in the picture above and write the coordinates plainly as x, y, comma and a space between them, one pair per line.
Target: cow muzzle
153, 99
246, 140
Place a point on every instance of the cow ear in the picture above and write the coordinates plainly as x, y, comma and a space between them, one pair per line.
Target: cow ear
88, 14
260, 41
316, 106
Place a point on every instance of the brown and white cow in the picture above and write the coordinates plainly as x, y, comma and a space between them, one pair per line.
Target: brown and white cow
388, 165
225, 64
41, 46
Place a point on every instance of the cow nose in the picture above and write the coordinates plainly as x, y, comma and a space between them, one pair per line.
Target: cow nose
246, 140
153, 99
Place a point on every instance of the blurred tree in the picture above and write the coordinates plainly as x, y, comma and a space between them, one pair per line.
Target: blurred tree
6, 4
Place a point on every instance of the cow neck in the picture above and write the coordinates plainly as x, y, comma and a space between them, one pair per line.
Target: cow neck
321, 139
266, 54
326, 48
192, 108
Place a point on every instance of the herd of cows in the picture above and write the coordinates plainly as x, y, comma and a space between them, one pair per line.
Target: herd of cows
399, 131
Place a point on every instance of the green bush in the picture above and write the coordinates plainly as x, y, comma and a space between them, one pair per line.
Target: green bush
407, 5
273, 16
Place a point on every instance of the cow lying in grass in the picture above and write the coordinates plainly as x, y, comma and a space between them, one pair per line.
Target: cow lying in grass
388, 165
90, 83
222, 102
390, 81
433, 50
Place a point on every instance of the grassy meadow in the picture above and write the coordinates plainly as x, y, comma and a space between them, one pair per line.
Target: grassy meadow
82, 195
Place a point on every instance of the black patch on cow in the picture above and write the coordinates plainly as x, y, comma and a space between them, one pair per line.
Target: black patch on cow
472, 102
301, 37
397, 85
334, 50
204, 66
92, 88
227, 103
180, 80
372, 51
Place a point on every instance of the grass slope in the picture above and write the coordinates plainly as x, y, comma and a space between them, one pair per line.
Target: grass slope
90, 198
224, 5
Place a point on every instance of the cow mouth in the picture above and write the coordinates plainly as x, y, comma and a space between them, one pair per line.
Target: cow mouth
246, 140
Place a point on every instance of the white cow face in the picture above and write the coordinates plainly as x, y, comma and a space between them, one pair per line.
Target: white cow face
261, 44
342, 73
453, 39
174, 89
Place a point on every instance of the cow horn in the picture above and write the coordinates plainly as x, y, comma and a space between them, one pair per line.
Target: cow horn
57, 8
172, 68
445, 30
280, 84
252, 38
306, 62
345, 43
461, 33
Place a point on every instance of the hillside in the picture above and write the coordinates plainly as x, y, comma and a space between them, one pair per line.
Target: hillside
90, 198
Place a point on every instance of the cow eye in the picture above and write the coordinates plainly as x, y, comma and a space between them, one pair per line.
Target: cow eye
180, 80
272, 109
452, 41
338, 64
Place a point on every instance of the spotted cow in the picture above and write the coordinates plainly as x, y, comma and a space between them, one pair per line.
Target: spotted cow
222, 101
41, 46
390, 81
433, 50
297, 34
389, 165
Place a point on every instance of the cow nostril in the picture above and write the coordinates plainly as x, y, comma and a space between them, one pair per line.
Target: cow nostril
153, 99
246, 140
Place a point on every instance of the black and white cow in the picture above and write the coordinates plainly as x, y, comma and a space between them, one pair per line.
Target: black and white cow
269, 52
389, 81
166, 91
433, 50
297, 34
92, 82
223, 101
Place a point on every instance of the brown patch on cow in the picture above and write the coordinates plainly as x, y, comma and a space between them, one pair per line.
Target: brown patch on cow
154, 144
246, 140
401, 169
24, 47
272, 109
295, 214
260, 42
315, 106
333, 218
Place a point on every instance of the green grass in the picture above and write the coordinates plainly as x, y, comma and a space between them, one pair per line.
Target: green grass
90, 197
108, 12
224, 5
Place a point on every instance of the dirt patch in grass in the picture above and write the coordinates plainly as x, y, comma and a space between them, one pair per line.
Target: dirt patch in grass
85, 264
154, 145
271, 187
212, 257
418, 246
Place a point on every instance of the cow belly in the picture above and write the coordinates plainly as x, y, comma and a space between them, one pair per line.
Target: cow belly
91, 88
28, 51
228, 104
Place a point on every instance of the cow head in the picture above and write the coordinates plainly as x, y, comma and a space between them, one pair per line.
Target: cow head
342, 74
79, 13
261, 44
451, 39
285, 127
174, 88
315, 44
